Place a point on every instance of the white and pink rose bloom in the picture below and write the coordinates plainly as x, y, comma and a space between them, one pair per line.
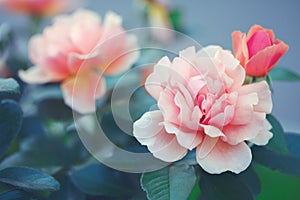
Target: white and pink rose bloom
203, 104
77, 50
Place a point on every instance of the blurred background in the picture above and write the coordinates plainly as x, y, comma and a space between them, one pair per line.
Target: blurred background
212, 22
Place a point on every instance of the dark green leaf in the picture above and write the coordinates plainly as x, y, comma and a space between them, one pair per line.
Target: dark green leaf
67, 191
277, 142
174, 182
46, 154
229, 186
6, 36
269, 81
9, 88
293, 143
286, 163
282, 74
10, 123
276, 185
97, 179
16, 195
28, 178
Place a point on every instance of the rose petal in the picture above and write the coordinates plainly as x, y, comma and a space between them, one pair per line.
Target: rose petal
244, 108
255, 28
158, 80
257, 42
81, 91
188, 139
164, 146
225, 157
264, 135
265, 60
150, 121
264, 95
35, 75
240, 49
239, 133
212, 131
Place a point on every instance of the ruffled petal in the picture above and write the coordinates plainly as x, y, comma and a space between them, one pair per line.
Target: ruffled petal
158, 80
35, 75
264, 95
81, 91
239, 133
149, 125
225, 157
161, 144
264, 135
188, 139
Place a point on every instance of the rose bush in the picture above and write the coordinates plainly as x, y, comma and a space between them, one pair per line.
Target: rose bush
257, 51
78, 49
203, 104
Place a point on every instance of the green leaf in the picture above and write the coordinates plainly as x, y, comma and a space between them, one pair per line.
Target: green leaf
97, 179
286, 163
48, 155
175, 17
276, 185
245, 185
28, 178
293, 143
15, 195
67, 191
9, 88
277, 142
10, 123
282, 74
173, 182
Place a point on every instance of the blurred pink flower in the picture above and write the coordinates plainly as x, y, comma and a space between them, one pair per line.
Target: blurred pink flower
257, 51
78, 48
36, 7
203, 104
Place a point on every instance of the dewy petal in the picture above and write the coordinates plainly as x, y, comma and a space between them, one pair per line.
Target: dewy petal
225, 157
261, 63
81, 91
264, 95
35, 75
149, 125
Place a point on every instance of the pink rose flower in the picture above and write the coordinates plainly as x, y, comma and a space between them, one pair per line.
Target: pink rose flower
203, 104
73, 48
36, 7
257, 51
